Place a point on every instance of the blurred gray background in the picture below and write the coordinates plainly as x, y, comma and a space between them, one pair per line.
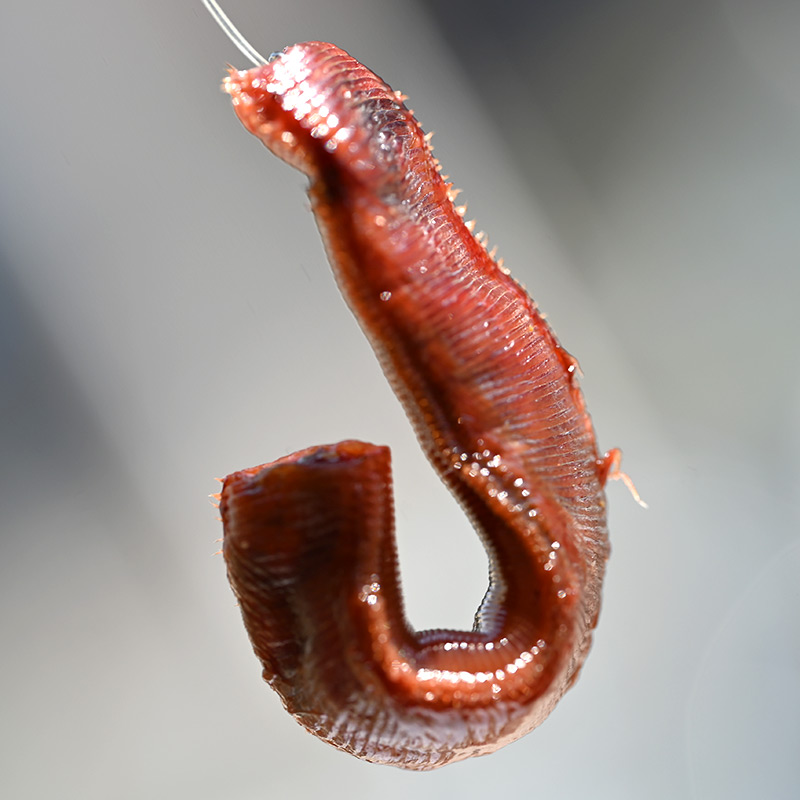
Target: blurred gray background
167, 315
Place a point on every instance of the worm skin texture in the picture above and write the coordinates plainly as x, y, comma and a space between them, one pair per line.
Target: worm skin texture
308, 539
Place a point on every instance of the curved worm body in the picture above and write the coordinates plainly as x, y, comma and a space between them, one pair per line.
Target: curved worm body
308, 539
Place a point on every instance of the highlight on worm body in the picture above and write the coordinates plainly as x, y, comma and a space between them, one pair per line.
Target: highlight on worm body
494, 400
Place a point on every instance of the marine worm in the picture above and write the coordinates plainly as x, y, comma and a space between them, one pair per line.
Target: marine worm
494, 401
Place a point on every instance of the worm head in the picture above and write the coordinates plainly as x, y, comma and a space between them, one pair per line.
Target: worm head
321, 111
258, 102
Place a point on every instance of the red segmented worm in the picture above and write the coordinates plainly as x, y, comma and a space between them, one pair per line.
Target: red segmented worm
493, 398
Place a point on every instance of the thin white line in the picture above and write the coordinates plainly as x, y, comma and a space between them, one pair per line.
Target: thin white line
232, 32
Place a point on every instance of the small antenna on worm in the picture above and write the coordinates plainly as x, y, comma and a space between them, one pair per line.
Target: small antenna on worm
231, 31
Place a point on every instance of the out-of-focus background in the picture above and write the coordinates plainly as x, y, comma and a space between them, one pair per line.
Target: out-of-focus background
167, 315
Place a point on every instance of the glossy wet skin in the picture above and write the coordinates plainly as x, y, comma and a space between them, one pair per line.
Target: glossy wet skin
492, 398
